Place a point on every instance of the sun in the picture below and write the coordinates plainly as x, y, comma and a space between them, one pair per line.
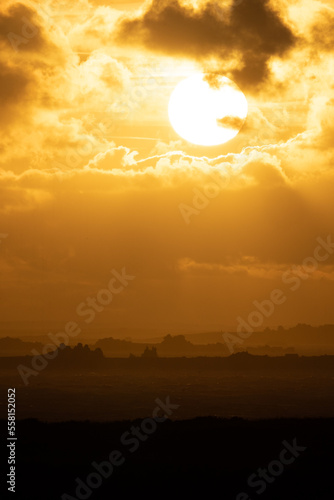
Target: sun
207, 109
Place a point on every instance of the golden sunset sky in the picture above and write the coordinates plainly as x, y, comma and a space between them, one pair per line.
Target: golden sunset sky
94, 178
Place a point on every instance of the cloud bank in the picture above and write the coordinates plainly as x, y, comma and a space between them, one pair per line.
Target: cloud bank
240, 39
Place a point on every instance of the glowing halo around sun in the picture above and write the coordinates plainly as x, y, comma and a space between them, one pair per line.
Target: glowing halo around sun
207, 110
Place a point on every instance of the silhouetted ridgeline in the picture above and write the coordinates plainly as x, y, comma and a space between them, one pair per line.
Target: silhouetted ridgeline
10, 346
173, 346
302, 339
79, 356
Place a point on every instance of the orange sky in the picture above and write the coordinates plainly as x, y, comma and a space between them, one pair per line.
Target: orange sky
93, 177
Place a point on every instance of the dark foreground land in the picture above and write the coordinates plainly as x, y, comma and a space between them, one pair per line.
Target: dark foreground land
208, 457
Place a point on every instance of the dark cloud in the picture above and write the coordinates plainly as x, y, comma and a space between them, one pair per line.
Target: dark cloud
32, 59
233, 122
21, 29
250, 33
14, 84
215, 80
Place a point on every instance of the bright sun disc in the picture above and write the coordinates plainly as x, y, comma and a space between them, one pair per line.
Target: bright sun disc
207, 110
